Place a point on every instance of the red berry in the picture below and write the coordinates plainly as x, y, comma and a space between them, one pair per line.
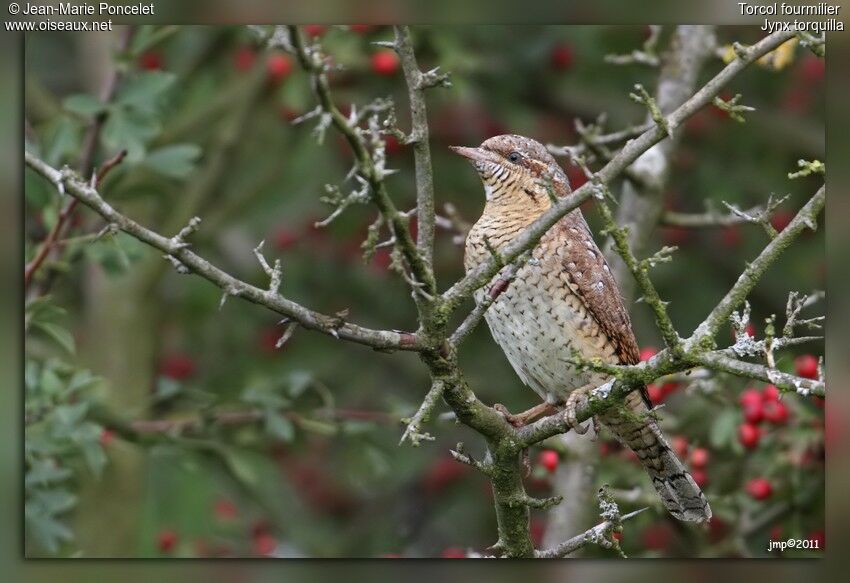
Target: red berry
287, 113
106, 437
753, 413
700, 477
676, 235
759, 488
177, 366
285, 238
264, 544
150, 61
770, 393
655, 393
225, 509
717, 529
576, 176
244, 58
657, 537
278, 67
699, 457
549, 459
812, 68
360, 28
648, 352
561, 57
259, 528
537, 529
797, 100
750, 397
807, 366
442, 473
268, 338
618, 536
781, 219
453, 553
385, 62
630, 455
392, 145
315, 29
748, 435
166, 540
680, 446
731, 236
668, 388
776, 412
698, 123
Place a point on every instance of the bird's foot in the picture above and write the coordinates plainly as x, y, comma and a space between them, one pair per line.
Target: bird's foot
526, 417
576, 398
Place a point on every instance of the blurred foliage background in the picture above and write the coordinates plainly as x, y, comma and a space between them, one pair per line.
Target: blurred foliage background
116, 338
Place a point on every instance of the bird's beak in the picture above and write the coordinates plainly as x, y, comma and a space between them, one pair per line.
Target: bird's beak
474, 154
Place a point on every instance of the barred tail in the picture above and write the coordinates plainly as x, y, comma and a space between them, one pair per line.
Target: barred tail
680, 494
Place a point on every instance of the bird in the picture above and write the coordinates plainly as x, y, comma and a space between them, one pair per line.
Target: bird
563, 302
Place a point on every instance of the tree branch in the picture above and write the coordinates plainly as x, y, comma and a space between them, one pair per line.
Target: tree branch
379, 339
86, 165
628, 154
313, 63
417, 82
806, 218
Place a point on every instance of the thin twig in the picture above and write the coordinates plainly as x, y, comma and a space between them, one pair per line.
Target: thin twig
383, 339
630, 152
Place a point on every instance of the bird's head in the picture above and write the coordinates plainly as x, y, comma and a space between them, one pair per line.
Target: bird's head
516, 169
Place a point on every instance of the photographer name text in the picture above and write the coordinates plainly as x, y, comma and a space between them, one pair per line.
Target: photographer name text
99, 9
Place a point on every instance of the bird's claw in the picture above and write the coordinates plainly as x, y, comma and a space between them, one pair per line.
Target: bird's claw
576, 397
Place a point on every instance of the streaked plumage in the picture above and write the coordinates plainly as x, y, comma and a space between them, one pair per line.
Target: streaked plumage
564, 299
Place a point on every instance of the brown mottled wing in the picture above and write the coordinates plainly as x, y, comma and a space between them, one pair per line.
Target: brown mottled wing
591, 280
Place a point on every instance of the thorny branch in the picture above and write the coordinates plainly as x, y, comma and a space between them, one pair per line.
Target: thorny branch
504, 443
89, 150
628, 154
602, 534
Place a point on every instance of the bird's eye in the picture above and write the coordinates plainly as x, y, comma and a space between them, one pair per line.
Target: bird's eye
514, 156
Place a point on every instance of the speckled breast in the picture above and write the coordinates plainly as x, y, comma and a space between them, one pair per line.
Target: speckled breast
539, 322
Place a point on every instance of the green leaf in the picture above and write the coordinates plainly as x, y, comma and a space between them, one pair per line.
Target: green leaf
316, 426
167, 388
81, 380
95, 457
83, 104
43, 310
61, 335
70, 415
47, 532
240, 465
278, 426
129, 129
45, 472
115, 254
175, 161
263, 398
50, 383
143, 90
299, 381
63, 140
723, 430
53, 501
